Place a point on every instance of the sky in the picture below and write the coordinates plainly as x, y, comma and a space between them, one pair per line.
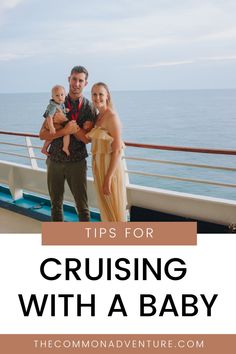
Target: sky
129, 44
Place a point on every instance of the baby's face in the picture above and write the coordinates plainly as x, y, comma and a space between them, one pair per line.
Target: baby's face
59, 95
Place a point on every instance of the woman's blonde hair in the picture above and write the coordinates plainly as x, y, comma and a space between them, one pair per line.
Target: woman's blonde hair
109, 100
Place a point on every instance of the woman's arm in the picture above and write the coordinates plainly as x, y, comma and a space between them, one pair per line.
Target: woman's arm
114, 130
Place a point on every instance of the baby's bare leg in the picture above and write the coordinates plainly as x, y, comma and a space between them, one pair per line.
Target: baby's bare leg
50, 123
66, 142
44, 149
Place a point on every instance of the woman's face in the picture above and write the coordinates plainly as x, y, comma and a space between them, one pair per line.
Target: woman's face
99, 97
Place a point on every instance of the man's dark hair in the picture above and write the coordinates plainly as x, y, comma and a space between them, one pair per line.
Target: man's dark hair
79, 69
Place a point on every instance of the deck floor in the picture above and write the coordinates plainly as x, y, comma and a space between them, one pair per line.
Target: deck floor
11, 222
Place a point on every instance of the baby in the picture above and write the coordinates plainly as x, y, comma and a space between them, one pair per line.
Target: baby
53, 123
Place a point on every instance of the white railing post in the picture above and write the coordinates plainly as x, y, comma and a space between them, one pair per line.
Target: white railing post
125, 168
13, 183
31, 153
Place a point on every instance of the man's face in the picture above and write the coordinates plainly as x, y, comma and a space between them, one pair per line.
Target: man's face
77, 82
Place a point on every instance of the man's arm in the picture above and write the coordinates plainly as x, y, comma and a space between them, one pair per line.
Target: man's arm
81, 135
70, 128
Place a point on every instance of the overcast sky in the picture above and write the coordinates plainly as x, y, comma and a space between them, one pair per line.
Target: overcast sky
129, 44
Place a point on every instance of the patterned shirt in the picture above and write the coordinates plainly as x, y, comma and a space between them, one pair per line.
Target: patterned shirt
77, 148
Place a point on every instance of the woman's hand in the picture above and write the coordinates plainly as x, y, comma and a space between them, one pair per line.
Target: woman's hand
106, 188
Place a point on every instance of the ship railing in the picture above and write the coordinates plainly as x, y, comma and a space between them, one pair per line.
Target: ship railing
34, 164
146, 194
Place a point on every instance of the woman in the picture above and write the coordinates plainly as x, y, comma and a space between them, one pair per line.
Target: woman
108, 170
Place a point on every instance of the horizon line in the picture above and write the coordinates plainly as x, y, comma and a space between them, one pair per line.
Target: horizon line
129, 90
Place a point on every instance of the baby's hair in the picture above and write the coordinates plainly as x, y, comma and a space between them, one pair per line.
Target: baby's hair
57, 87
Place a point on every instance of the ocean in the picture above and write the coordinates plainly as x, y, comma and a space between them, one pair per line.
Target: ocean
194, 118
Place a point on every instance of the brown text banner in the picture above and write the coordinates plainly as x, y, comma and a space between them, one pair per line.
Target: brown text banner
119, 233
115, 343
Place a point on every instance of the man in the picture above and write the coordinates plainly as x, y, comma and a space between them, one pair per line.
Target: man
71, 168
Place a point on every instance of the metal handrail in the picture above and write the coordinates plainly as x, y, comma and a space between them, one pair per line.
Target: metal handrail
167, 162
184, 149
33, 158
20, 155
202, 181
20, 145
150, 146
30, 135
187, 164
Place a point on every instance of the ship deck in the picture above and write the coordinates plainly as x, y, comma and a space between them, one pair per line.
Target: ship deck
11, 222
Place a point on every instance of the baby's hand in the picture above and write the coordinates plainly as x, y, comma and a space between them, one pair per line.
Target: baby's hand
67, 110
52, 131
